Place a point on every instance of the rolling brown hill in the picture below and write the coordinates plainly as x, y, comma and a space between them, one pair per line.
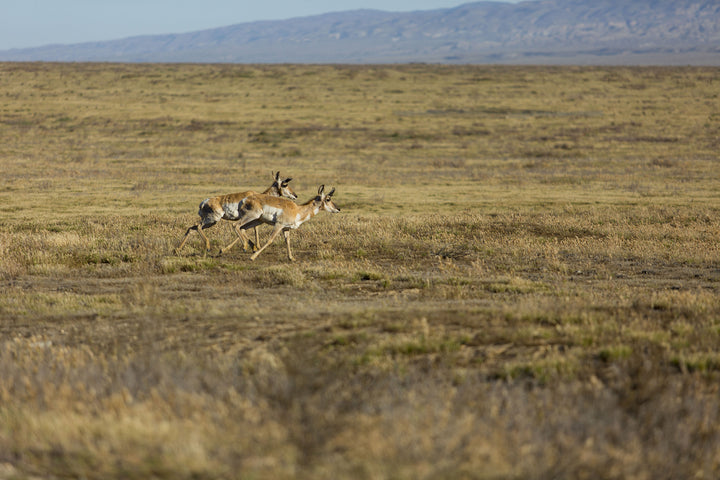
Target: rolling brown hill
548, 31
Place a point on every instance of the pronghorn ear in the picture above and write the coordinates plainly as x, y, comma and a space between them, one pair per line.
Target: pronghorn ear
277, 176
321, 189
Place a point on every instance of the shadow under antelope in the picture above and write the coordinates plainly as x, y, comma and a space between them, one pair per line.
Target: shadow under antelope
228, 207
283, 214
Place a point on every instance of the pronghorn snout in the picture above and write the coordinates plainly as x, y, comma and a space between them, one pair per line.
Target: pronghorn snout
283, 187
287, 192
329, 204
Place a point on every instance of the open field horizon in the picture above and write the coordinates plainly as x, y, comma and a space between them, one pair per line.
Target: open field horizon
522, 281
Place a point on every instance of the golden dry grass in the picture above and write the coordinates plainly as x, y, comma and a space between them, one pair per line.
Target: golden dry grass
522, 283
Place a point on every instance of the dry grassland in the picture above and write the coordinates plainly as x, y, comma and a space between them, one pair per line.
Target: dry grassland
524, 280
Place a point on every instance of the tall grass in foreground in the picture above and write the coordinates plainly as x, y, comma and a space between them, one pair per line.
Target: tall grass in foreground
522, 283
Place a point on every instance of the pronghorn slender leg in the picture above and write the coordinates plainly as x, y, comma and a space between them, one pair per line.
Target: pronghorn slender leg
207, 241
287, 242
257, 240
184, 239
241, 236
249, 220
198, 228
275, 233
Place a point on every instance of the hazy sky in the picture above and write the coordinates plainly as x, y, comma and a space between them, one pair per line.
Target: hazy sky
32, 23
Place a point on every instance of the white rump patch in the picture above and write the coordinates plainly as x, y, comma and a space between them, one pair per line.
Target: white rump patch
232, 210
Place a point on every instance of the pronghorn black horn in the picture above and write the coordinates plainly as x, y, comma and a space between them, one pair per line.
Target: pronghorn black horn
287, 180
331, 192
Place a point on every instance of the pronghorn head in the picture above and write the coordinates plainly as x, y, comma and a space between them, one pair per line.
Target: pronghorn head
282, 189
324, 201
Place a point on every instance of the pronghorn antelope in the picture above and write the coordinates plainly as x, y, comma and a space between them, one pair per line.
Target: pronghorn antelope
283, 214
227, 207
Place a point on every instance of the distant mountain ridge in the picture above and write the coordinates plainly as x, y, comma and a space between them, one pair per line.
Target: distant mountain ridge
544, 31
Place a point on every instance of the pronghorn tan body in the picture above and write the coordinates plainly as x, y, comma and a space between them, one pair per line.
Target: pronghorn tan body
283, 214
228, 207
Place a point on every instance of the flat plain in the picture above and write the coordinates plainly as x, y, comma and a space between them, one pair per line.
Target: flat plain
523, 282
